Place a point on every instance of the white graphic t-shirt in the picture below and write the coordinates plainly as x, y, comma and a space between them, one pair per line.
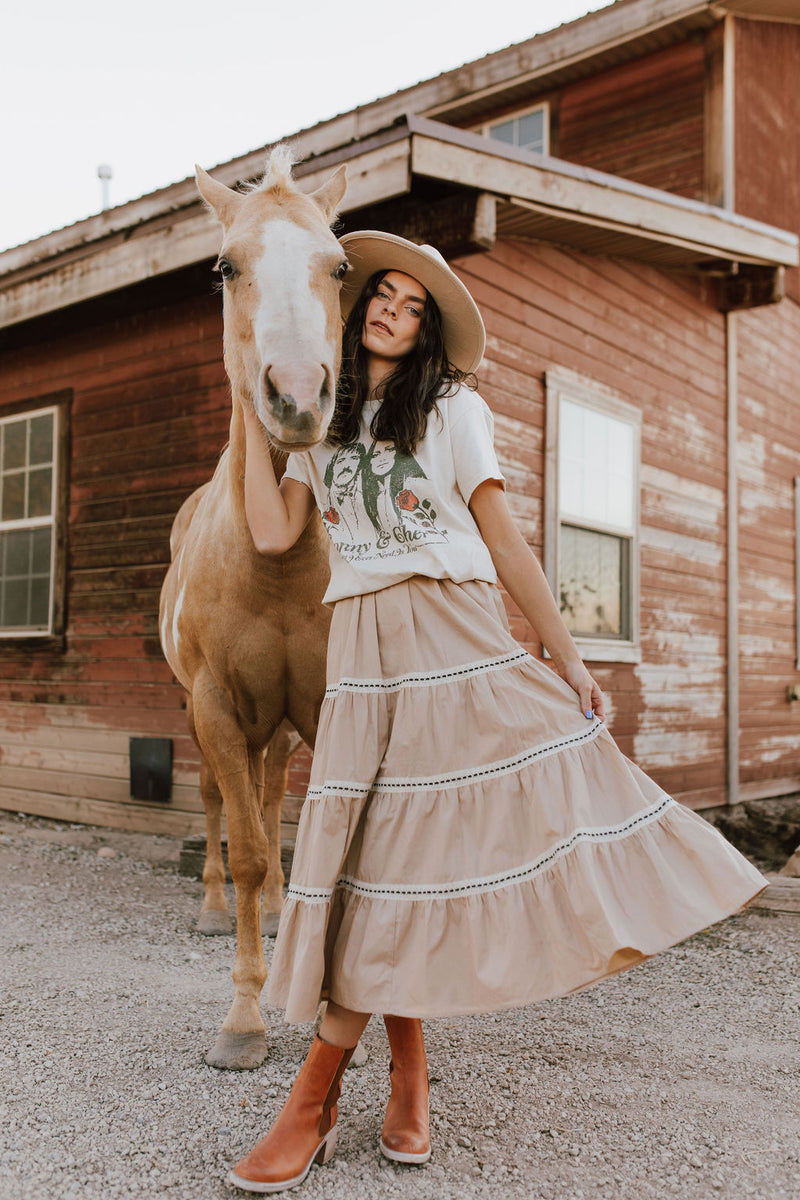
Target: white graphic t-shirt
389, 515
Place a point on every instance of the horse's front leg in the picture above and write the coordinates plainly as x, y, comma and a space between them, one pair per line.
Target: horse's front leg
241, 1043
214, 917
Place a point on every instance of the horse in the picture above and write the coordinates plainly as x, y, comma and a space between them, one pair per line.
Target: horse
246, 634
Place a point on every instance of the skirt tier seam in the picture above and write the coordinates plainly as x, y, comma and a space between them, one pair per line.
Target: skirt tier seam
488, 883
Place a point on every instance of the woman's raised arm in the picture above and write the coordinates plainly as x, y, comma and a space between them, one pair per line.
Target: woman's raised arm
523, 578
276, 513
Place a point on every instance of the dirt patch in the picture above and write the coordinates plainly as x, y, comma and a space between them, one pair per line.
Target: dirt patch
679, 1078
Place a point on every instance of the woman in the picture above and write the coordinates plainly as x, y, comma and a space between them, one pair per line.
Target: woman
472, 839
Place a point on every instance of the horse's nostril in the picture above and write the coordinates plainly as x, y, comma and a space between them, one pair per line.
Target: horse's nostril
327, 391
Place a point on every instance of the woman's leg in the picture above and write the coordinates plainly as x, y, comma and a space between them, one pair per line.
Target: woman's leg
406, 1134
342, 1026
305, 1129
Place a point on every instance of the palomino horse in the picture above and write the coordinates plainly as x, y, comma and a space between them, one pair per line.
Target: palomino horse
246, 634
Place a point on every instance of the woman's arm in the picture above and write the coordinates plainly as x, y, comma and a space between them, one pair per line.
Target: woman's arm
276, 513
524, 580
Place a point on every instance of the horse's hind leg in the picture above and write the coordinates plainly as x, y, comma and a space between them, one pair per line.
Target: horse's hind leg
214, 917
276, 769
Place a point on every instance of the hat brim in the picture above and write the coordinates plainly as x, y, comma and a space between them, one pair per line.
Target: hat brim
370, 250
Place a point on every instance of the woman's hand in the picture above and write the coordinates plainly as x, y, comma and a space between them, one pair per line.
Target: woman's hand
276, 513
592, 701
523, 578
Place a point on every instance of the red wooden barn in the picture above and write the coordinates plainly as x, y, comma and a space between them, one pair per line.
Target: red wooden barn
622, 196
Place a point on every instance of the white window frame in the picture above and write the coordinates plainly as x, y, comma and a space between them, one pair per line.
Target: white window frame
51, 521
797, 567
569, 385
543, 107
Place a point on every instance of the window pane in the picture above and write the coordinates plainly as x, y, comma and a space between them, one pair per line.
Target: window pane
41, 551
14, 444
504, 132
41, 444
594, 569
17, 550
530, 131
13, 497
40, 603
596, 467
15, 603
40, 484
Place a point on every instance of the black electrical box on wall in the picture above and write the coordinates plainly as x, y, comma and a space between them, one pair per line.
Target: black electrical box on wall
151, 769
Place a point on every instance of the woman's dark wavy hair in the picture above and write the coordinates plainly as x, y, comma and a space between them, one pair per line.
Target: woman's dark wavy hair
410, 392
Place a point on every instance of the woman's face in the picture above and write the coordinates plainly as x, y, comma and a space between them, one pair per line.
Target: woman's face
392, 322
383, 459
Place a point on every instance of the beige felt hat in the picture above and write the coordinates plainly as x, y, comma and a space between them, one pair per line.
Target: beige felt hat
369, 251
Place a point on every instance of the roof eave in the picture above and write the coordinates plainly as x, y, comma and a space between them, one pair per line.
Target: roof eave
536, 197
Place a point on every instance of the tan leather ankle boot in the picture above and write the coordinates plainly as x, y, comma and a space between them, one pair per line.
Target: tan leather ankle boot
305, 1129
406, 1134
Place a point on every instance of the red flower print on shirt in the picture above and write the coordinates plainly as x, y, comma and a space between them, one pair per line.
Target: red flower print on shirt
331, 515
407, 500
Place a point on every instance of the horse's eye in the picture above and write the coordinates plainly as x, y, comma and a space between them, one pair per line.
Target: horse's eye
225, 268
340, 271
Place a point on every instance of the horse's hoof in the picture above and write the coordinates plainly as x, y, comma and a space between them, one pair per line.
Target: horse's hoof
214, 921
359, 1056
269, 924
237, 1051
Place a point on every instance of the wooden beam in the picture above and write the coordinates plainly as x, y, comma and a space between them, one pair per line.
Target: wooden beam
732, 556
560, 187
459, 224
750, 287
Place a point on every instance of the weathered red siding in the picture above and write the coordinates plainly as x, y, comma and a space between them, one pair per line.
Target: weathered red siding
768, 462
767, 127
659, 344
642, 120
149, 415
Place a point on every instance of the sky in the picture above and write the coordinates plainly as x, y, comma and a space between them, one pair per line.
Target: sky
154, 87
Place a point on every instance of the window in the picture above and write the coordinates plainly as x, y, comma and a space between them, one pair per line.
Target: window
31, 519
527, 130
592, 502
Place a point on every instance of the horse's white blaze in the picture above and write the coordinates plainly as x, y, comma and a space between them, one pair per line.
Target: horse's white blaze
290, 323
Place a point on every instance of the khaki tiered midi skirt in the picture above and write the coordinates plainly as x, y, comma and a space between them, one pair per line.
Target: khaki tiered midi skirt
470, 841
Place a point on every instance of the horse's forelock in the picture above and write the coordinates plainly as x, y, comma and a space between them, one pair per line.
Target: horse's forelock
278, 171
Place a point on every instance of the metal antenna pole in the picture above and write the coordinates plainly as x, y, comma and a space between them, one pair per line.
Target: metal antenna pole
105, 174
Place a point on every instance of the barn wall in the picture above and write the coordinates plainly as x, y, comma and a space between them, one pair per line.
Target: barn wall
768, 461
655, 340
767, 128
642, 120
149, 415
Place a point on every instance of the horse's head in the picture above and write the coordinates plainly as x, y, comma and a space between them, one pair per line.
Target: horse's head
281, 269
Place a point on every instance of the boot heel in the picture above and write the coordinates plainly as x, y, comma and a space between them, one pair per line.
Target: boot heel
327, 1149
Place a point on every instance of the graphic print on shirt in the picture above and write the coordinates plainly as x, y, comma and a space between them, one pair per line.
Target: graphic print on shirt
372, 509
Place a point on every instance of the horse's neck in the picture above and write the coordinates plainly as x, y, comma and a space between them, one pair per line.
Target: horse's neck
237, 458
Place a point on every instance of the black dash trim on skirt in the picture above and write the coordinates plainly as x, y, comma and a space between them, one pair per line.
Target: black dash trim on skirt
426, 783
495, 883
433, 677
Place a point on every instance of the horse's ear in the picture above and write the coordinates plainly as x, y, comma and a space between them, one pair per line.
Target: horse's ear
329, 195
223, 201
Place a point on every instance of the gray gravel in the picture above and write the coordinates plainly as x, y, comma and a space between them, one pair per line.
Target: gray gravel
679, 1078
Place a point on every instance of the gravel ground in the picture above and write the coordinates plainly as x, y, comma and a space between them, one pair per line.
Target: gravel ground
679, 1078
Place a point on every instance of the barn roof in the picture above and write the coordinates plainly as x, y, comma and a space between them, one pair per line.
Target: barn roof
390, 153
